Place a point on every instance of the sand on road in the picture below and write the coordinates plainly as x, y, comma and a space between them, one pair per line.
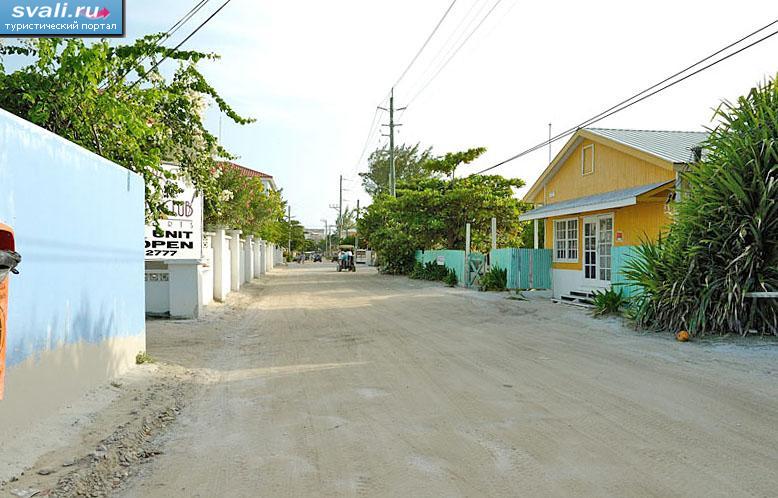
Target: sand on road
318, 383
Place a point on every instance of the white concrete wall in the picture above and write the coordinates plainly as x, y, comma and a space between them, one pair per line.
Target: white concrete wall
185, 283
278, 255
157, 292
206, 270
566, 280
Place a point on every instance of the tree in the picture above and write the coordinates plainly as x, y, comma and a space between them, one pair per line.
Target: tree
723, 242
298, 235
408, 164
447, 164
432, 213
82, 92
243, 203
347, 221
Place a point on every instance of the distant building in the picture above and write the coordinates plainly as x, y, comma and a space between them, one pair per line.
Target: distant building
267, 180
314, 234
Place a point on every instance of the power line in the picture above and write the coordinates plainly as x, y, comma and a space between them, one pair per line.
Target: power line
488, 13
643, 94
426, 42
165, 36
454, 36
373, 124
198, 28
370, 133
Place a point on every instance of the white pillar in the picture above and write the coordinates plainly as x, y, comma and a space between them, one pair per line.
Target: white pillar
220, 277
262, 257
537, 235
184, 288
249, 255
256, 257
235, 257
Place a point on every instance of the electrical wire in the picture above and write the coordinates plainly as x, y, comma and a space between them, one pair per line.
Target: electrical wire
373, 126
643, 94
368, 140
442, 67
426, 42
165, 36
455, 35
180, 44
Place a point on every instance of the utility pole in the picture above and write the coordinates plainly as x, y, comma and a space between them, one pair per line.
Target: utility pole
289, 217
326, 237
392, 125
392, 173
549, 143
356, 236
340, 211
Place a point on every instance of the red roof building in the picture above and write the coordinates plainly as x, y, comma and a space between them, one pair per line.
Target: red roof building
267, 180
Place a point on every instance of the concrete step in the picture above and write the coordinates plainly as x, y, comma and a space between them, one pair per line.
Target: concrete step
582, 293
572, 302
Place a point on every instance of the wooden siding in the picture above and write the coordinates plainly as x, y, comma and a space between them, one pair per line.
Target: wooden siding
613, 170
644, 220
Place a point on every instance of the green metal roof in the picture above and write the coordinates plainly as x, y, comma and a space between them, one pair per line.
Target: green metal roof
673, 146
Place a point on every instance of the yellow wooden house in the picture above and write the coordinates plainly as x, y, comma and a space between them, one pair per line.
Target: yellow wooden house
606, 189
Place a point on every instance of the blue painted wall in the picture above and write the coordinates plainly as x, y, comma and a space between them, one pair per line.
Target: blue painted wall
79, 224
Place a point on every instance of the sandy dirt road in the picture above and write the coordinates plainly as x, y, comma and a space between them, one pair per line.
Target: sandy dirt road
315, 383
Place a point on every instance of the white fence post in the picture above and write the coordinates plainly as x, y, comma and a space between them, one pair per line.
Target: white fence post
235, 257
249, 257
220, 257
257, 257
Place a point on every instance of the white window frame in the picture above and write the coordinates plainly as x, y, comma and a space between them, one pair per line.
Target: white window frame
567, 241
583, 163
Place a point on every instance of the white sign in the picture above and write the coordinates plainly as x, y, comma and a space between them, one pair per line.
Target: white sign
441, 261
180, 235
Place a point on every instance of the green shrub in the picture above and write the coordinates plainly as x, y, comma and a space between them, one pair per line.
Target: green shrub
451, 278
722, 243
609, 302
496, 279
430, 271
143, 357
435, 272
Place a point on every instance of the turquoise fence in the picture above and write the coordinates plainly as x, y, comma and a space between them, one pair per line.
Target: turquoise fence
619, 257
527, 268
452, 258
508, 259
535, 268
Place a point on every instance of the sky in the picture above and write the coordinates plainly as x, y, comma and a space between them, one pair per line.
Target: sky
312, 73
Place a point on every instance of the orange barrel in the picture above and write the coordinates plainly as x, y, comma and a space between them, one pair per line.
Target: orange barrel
6, 244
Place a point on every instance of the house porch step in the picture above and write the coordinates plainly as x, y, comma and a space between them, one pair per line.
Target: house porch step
570, 302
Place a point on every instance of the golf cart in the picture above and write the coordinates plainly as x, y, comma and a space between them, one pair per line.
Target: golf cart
346, 262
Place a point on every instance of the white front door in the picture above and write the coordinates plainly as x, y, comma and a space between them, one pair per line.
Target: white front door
598, 241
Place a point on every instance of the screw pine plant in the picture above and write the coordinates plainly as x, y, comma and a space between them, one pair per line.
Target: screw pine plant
723, 242
496, 279
608, 302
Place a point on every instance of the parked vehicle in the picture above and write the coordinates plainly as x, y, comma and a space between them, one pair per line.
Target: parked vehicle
346, 259
317, 258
